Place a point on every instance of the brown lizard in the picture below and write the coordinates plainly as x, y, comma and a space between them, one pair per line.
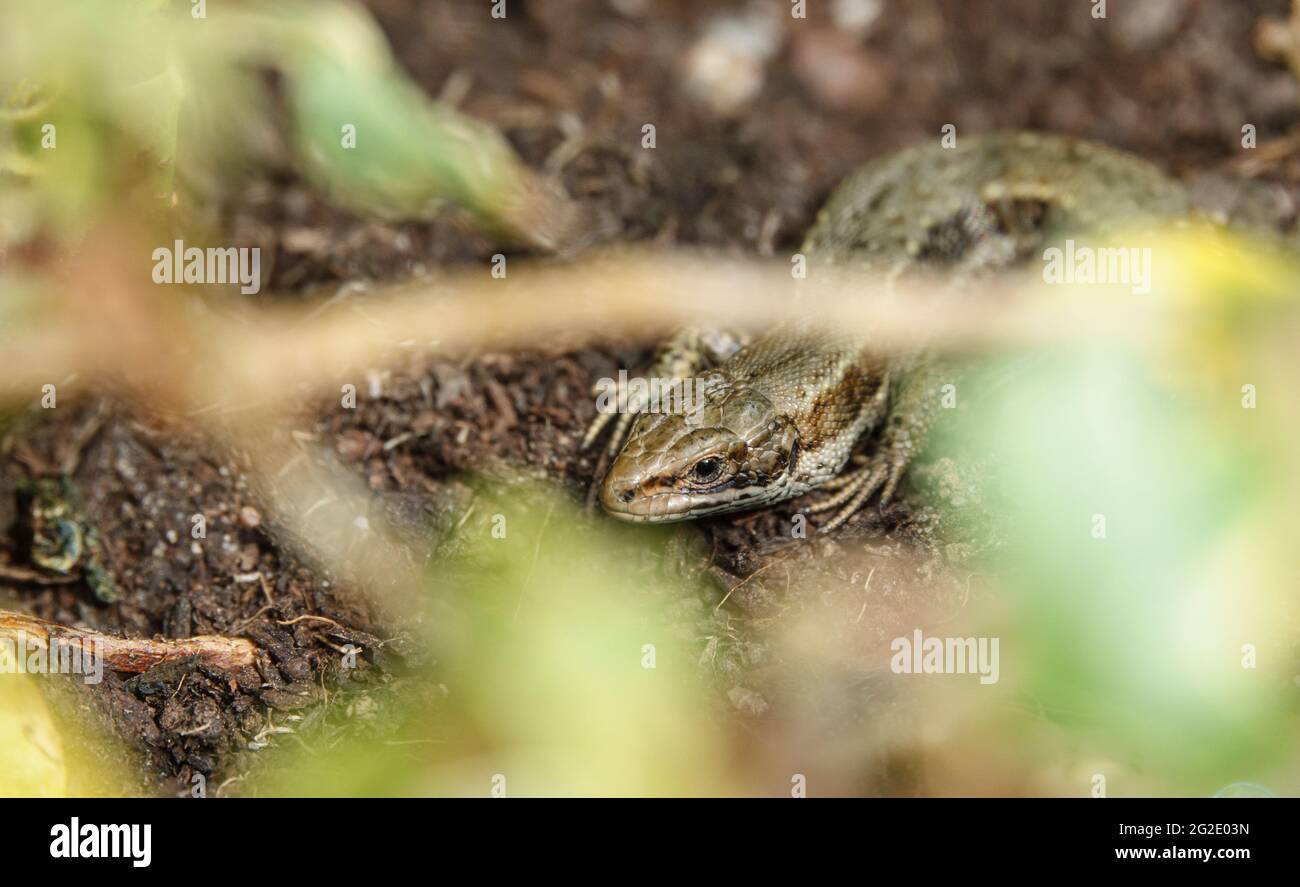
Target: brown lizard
784, 414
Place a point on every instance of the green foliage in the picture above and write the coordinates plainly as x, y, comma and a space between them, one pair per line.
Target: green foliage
567, 677
137, 93
1138, 492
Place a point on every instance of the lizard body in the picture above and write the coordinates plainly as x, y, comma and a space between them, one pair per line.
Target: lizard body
782, 415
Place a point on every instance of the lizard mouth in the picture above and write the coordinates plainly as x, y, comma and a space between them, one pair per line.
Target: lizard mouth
672, 505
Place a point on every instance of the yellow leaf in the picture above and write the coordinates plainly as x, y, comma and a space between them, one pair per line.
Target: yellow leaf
31, 751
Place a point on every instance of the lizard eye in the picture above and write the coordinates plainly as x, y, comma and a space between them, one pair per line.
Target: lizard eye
706, 470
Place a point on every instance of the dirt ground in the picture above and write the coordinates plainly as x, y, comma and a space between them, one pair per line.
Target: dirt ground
572, 84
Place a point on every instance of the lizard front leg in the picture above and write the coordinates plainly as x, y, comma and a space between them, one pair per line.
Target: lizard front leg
912, 411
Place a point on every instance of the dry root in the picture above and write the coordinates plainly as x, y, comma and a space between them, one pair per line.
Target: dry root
131, 654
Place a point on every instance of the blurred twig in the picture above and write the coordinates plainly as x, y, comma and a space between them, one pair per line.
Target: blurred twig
245, 373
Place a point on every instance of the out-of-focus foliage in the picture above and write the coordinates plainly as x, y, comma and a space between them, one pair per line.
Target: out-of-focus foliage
566, 674
101, 87
31, 749
1146, 492
51, 743
410, 154
99, 97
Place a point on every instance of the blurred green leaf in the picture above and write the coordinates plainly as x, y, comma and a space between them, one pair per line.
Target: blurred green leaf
568, 679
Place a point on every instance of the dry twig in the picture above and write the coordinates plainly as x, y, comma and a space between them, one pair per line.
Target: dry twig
130, 654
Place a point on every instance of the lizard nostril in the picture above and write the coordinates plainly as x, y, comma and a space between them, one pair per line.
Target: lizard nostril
626, 496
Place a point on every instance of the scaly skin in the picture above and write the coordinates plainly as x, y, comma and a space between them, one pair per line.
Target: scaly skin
784, 414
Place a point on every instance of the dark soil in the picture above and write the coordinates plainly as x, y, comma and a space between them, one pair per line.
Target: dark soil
571, 85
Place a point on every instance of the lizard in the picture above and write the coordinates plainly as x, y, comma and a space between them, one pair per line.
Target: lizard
791, 411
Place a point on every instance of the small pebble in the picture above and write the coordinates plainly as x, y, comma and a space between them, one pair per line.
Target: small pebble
856, 16
726, 67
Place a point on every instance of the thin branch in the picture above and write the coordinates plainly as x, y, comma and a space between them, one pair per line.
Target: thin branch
130, 654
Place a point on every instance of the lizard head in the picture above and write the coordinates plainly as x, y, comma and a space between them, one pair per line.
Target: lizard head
728, 450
